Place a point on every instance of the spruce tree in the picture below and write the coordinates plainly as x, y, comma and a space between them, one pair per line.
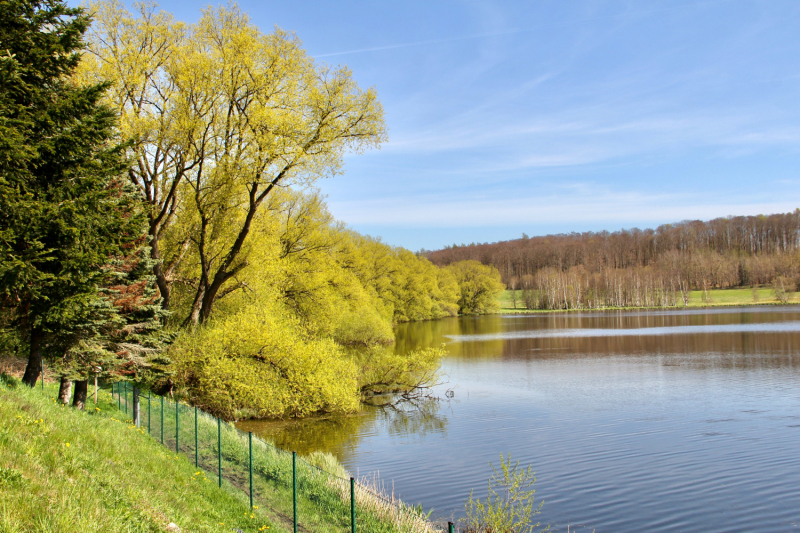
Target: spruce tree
120, 336
64, 215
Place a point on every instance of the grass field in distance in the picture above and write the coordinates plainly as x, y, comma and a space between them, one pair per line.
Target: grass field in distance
716, 297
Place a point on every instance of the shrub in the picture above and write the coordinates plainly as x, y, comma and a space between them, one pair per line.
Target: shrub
258, 363
509, 505
383, 371
363, 327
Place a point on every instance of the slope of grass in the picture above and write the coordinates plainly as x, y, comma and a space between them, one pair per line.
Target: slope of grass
63, 470
323, 486
67, 470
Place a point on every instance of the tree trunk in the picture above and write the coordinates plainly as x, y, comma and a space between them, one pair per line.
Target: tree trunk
34, 367
158, 271
194, 314
136, 410
79, 398
64, 390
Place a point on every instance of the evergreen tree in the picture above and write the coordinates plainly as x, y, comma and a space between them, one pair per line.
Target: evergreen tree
120, 336
64, 215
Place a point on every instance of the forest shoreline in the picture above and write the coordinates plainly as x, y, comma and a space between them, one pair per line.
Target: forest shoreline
715, 298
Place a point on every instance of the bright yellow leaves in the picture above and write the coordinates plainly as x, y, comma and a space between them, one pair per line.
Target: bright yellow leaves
221, 115
256, 362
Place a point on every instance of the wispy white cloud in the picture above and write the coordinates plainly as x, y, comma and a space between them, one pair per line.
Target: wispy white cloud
647, 104
581, 206
597, 136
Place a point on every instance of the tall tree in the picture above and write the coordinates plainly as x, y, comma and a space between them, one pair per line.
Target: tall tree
61, 216
480, 287
222, 116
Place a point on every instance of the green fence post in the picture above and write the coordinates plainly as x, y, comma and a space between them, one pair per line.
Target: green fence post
219, 449
148, 414
42, 375
126, 397
450, 527
162, 420
119, 398
250, 444
352, 505
196, 450
294, 488
177, 426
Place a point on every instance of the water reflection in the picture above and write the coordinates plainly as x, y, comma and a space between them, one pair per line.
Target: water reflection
336, 435
339, 435
652, 420
568, 335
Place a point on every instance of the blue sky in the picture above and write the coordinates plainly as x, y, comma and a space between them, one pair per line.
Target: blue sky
552, 116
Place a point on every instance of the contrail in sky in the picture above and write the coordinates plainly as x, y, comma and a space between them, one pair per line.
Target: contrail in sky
420, 43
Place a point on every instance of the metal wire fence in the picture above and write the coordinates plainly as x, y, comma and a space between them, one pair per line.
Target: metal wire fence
302, 495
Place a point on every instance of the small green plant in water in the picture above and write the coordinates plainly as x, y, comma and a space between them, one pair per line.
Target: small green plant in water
509, 505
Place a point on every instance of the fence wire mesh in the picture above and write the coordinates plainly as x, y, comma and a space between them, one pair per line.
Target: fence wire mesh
300, 492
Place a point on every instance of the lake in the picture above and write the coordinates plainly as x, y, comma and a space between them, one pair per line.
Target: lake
633, 420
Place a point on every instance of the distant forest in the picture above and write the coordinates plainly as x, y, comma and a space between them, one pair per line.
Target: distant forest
651, 267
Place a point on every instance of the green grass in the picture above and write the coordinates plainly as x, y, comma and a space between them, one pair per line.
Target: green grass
67, 470
715, 297
745, 296
506, 301
323, 488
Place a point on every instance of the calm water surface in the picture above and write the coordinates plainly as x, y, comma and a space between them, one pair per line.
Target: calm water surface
634, 421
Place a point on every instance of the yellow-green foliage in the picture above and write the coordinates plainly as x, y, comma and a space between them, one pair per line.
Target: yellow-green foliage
410, 286
362, 327
313, 257
274, 348
479, 285
383, 371
235, 116
509, 504
338, 283
257, 363
416, 291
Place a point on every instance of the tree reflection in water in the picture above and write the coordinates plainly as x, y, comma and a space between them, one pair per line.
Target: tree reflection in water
340, 435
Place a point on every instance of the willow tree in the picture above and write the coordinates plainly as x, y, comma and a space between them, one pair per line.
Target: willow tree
220, 116
479, 285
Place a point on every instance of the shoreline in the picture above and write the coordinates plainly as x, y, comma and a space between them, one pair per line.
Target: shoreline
519, 311
697, 299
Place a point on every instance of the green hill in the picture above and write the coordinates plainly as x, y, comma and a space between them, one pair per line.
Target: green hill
63, 470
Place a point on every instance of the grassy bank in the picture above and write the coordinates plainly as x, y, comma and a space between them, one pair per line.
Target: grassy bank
64, 470
711, 298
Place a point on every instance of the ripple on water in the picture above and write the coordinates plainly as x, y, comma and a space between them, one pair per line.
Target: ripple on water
646, 421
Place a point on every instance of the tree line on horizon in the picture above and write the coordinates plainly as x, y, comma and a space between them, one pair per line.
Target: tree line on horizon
650, 267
